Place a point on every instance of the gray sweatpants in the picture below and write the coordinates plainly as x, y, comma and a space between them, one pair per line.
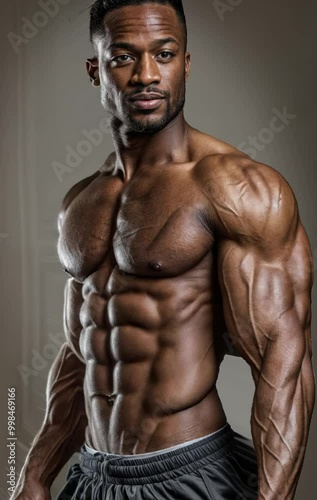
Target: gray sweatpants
220, 466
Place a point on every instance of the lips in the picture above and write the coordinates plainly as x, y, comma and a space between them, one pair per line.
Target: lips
146, 97
147, 101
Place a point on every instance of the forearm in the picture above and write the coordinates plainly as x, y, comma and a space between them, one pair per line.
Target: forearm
280, 422
63, 430
50, 451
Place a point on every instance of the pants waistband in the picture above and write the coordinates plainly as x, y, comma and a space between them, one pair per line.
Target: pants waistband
151, 453
163, 466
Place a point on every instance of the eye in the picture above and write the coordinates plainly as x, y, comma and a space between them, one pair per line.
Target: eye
166, 55
121, 59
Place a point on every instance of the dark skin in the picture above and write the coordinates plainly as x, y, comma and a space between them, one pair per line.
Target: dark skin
175, 239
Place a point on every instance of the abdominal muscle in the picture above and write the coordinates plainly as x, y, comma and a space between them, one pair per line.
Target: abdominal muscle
151, 374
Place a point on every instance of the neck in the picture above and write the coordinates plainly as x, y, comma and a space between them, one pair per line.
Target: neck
134, 151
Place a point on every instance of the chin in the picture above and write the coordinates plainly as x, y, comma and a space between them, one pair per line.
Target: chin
148, 129
147, 126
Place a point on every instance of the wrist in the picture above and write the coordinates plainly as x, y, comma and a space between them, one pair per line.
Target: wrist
31, 489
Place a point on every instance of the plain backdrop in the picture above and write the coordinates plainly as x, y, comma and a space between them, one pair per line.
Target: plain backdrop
250, 60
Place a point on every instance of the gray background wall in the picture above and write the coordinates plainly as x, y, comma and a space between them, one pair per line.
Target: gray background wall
249, 59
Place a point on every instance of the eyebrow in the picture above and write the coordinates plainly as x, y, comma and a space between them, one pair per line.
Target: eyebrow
130, 46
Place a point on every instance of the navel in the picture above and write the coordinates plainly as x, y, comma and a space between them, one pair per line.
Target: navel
111, 399
154, 266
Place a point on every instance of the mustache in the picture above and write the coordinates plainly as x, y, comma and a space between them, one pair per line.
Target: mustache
148, 90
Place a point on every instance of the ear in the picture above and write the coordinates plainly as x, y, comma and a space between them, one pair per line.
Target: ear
92, 67
187, 64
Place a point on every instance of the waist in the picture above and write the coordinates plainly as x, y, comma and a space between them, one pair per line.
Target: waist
92, 451
164, 464
128, 432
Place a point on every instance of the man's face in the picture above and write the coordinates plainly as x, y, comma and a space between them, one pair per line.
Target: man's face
143, 66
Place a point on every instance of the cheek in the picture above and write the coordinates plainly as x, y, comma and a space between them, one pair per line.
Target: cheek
173, 77
177, 87
107, 78
109, 86
116, 84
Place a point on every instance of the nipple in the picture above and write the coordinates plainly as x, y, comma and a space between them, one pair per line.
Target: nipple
155, 266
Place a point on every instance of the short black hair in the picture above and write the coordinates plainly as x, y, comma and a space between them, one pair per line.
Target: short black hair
101, 7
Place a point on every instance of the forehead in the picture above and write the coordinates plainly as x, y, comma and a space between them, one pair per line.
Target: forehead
146, 19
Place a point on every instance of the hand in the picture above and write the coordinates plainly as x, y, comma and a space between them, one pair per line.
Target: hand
31, 491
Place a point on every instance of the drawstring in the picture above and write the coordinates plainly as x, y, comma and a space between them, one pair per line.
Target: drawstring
103, 472
83, 482
106, 463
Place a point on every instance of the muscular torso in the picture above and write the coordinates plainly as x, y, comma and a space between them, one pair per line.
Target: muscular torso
143, 257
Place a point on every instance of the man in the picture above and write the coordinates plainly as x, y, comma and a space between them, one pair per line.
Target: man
175, 239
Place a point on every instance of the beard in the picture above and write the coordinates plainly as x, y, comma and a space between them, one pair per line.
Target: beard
147, 126
152, 126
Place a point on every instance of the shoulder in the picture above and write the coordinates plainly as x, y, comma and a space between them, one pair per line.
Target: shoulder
72, 193
105, 170
247, 198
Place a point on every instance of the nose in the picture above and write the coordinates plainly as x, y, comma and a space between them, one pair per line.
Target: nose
146, 71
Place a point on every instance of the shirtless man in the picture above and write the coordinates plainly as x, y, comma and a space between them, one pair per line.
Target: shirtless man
176, 239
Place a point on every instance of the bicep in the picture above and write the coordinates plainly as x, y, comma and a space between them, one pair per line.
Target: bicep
266, 297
